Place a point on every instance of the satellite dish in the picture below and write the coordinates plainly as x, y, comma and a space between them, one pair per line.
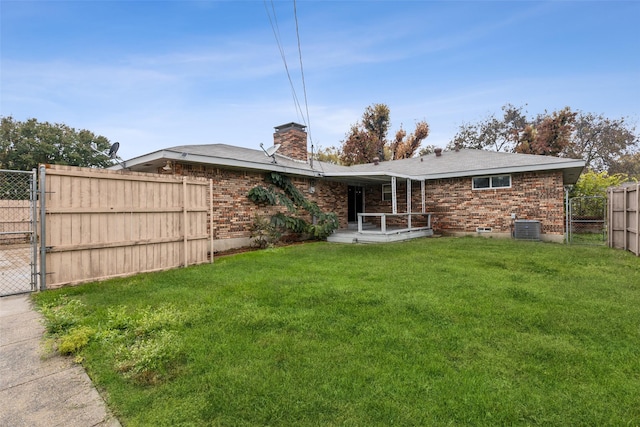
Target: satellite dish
272, 150
114, 150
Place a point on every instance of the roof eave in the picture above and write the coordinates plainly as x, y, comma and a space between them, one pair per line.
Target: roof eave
162, 155
570, 167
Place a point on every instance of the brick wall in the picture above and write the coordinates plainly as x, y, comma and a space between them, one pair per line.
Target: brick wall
234, 213
330, 197
458, 208
455, 206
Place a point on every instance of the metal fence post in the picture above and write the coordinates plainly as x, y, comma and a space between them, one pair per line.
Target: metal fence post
33, 240
43, 230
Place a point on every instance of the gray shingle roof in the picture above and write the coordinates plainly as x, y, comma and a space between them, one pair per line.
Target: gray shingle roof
224, 151
466, 163
450, 164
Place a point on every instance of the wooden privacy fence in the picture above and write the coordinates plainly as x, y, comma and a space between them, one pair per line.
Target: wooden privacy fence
16, 218
101, 224
624, 217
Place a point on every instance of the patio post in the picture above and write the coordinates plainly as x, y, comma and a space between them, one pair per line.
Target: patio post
409, 202
394, 195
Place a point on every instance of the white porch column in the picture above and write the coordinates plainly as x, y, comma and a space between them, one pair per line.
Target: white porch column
394, 196
409, 202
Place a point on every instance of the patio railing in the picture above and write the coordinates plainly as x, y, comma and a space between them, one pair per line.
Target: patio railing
400, 222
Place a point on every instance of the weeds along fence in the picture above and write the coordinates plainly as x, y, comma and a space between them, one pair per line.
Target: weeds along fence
624, 217
101, 224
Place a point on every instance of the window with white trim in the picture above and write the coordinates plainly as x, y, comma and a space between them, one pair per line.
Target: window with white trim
386, 192
489, 182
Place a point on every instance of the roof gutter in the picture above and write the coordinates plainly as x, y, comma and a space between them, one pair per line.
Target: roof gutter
507, 169
217, 161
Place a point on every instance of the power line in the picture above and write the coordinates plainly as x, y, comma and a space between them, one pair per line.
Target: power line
276, 33
304, 86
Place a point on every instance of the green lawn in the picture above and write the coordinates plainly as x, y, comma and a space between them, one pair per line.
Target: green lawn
441, 331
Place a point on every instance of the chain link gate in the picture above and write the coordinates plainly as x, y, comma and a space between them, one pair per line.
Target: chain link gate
18, 237
588, 220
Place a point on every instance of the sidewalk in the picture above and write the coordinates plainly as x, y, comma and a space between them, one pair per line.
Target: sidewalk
41, 391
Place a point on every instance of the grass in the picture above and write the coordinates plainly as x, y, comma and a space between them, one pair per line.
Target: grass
589, 239
467, 331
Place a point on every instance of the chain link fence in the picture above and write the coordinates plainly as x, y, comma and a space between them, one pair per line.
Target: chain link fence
17, 232
588, 220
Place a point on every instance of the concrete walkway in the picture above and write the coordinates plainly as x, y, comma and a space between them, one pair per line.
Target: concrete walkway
37, 390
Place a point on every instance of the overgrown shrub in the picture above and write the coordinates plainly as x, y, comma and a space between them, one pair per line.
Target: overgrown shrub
264, 233
75, 340
323, 224
62, 314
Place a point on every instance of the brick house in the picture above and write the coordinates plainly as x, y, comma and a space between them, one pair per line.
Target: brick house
453, 192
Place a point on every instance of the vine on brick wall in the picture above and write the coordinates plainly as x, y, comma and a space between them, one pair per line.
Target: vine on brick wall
293, 199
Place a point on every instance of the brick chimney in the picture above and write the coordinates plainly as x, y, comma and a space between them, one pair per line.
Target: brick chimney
292, 138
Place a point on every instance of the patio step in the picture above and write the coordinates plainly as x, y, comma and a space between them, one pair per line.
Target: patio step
352, 236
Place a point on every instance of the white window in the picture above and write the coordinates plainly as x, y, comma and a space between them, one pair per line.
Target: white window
386, 192
488, 182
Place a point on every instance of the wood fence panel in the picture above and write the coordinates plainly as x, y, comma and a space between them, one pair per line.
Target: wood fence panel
16, 216
624, 218
102, 224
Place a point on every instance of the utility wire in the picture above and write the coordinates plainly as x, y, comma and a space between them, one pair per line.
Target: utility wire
276, 33
304, 86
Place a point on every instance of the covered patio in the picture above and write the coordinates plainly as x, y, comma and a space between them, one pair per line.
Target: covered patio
370, 222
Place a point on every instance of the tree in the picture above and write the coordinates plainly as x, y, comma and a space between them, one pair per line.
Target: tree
328, 155
492, 133
628, 164
547, 135
24, 145
404, 148
605, 144
593, 183
367, 139
360, 147
427, 149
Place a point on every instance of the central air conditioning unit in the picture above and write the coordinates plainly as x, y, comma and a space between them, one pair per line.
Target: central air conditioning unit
527, 229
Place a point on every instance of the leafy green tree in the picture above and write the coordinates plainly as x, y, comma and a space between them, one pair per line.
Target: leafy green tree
367, 139
328, 155
592, 183
24, 145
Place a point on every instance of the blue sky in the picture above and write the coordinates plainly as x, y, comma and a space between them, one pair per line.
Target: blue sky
155, 74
